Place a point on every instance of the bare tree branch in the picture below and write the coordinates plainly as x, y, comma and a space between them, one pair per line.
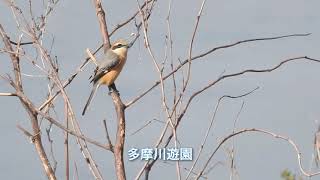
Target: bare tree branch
274, 135
66, 142
138, 97
120, 25
107, 135
71, 78
34, 26
119, 106
27, 105
92, 58
120, 137
102, 24
8, 94
244, 72
25, 132
210, 126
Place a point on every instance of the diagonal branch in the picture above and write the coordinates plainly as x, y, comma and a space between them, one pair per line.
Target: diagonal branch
247, 41
244, 72
80, 68
205, 54
276, 136
27, 105
25, 100
181, 115
210, 126
107, 135
120, 25
102, 24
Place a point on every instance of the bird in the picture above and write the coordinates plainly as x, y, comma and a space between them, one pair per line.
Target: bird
109, 69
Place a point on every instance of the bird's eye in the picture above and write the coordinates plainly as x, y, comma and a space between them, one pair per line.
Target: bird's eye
119, 45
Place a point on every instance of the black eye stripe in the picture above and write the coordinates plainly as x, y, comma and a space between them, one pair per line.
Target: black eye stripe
116, 46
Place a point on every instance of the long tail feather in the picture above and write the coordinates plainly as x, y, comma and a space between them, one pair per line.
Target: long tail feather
93, 91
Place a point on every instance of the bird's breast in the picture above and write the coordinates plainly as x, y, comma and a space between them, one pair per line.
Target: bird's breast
112, 75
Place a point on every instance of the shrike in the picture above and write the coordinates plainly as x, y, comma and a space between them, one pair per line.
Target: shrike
109, 68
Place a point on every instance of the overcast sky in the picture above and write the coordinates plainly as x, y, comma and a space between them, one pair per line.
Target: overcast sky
287, 101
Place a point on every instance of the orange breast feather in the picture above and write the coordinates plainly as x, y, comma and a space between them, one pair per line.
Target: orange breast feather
112, 75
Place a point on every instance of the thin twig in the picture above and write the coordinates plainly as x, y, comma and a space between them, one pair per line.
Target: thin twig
163, 95
55, 162
56, 79
30, 110
66, 142
144, 126
80, 68
76, 171
241, 73
120, 25
92, 58
210, 126
107, 135
25, 132
138, 97
274, 135
8, 94
232, 151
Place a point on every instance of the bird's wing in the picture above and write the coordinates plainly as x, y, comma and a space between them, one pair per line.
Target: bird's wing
110, 61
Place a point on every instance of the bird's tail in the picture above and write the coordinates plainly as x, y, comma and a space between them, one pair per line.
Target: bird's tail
93, 91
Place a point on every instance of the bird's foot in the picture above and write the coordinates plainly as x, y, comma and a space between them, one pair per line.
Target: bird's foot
112, 88
111, 91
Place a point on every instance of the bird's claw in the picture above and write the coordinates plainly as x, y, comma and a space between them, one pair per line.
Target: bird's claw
111, 91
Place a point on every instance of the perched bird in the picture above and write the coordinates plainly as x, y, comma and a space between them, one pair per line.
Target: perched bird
109, 68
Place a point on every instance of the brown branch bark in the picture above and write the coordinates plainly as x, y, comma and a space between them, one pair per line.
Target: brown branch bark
82, 144
8, 94
102, 24
120, 138
28, 107
119, 106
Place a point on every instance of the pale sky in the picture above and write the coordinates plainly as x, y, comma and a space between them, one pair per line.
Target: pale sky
286, 103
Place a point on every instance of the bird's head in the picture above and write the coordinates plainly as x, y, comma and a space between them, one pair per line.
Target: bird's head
120, 47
